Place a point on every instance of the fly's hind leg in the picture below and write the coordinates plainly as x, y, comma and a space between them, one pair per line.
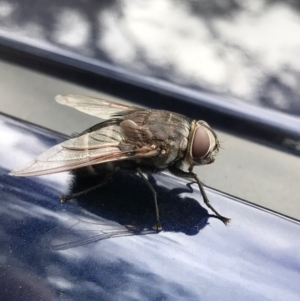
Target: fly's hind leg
64, 198
157, 226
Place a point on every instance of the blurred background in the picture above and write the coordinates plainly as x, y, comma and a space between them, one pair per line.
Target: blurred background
232, 63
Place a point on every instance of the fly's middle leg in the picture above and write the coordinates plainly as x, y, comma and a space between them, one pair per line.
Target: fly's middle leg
157, 226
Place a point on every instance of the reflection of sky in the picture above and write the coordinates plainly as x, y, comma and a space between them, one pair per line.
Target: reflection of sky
250, 52
6, 9
72, 28
193, 55
187, 47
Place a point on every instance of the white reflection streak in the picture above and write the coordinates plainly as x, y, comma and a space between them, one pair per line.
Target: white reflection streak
6, 9
60, 283
20, 212
72, 28
14, 145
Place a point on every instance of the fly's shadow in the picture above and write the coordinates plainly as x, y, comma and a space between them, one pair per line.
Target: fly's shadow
127, 200
124, 207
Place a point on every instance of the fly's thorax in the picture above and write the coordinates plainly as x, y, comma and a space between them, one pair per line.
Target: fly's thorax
203, 144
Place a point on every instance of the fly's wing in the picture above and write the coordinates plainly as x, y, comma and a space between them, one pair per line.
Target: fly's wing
135, 134
70, 240
94, 106
106, 144
83, 233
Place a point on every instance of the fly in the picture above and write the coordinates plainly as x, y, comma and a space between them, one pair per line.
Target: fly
131, 138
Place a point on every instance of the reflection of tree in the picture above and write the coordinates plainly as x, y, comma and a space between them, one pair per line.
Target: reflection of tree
210, 9
281, 91
44, 14
272, 89
229, 8
240, 70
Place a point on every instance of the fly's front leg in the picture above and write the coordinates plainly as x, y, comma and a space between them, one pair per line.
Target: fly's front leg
180, 173
157, 226
224, 219
64, 198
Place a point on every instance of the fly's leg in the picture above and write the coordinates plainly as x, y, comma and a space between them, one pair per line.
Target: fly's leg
180, 173
157, 226
224, 219
64, 198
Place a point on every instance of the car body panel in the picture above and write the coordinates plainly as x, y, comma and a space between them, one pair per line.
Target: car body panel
195, 257
101, 246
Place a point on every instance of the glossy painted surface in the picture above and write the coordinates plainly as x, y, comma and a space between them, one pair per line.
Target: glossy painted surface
215, 48
255, 258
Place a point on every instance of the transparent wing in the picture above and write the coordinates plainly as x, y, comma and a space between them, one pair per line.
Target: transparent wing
93, 106
103, 145
83, 233
70, 240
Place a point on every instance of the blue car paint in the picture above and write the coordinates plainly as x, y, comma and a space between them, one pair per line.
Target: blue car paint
46, 255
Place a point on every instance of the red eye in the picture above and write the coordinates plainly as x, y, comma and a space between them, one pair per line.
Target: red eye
201, 143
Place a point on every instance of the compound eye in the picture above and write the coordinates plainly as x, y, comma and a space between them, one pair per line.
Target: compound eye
201, 143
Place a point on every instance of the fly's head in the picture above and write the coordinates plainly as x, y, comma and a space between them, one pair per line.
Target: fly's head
203, 144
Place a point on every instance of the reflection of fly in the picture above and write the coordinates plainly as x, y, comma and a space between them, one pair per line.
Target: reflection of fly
131, 138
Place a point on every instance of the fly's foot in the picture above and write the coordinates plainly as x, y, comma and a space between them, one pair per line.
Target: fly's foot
225, 220
64, 198
157, 226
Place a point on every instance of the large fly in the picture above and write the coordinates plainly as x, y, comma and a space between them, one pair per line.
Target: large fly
131, 138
